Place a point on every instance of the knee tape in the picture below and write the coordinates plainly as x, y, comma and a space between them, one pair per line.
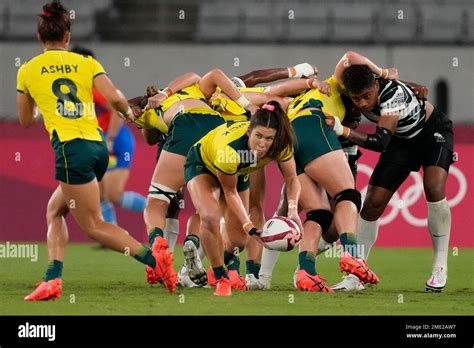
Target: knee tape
349, 195
321, 217
161, 192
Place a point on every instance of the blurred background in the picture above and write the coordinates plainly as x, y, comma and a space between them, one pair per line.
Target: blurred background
140, 42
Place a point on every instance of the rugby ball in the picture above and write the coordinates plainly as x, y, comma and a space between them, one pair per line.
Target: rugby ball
281, 233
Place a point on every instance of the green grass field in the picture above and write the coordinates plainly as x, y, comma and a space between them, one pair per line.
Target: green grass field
102, 282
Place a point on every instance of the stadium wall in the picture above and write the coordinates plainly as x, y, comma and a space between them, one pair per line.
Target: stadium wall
132, 67
27, 181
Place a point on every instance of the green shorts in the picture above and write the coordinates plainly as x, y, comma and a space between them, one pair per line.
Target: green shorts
314, 138
79, 161
195, 166
188, 128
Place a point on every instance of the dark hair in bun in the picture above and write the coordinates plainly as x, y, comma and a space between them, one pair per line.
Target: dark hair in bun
54, 22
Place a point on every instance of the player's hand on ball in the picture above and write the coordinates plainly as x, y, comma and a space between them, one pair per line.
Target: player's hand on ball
293, 215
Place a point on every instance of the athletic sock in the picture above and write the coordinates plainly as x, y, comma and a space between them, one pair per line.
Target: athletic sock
323, 246
220, 272
108, 212
439, 226
193, 238
231, 261
349, 243
153, 233
367, 232
55, 270
132, 201
252, 268
269, 260
307, 262
171, 232
145, 256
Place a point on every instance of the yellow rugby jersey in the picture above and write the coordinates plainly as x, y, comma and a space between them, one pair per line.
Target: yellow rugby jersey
226, 149
191, 92
153, 118
61, 84
332, 105
228, 108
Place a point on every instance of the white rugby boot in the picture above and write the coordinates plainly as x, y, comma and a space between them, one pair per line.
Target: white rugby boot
192, 261
437, 280
184, 280
349, 282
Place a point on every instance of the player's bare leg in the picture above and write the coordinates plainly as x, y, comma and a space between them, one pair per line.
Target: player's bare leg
314, 201
257, 216
333, 173
205, 192
236, 239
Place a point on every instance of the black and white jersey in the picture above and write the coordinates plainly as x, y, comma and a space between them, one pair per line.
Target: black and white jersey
395, 97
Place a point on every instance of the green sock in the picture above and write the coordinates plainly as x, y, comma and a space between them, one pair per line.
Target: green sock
349, 243
252, 267
145, 256
232, 261
55, 270
153, 233
307, 261
227, 257
220, 272
193, 238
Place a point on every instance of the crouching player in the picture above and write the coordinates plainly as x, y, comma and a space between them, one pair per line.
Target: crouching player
220, 163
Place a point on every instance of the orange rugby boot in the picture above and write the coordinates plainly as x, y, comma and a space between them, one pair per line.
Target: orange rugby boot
45, 291
306, 282
357, 267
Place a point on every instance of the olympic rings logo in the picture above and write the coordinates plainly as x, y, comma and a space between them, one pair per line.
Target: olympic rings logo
402, 202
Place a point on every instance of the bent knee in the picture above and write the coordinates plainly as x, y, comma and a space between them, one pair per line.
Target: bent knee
210, 221
372, 210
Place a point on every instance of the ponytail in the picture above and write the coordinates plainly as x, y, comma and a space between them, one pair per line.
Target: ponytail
54, 22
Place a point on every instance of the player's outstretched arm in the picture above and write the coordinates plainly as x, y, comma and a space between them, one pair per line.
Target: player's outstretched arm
420, 91
115, 98
378, 141
297, 86
353, 58
256, 77
217, 78
174, 86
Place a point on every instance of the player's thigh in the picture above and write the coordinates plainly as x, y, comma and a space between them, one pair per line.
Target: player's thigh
84, 203
332, 172
205, 191
233, 225
169, 170
312, 196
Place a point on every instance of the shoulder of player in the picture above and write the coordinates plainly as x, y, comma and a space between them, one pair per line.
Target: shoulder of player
389, 89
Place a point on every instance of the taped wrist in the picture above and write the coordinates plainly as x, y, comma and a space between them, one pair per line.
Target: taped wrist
379, 140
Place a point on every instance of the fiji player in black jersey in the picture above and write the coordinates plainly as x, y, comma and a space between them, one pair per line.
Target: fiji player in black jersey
411, 133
